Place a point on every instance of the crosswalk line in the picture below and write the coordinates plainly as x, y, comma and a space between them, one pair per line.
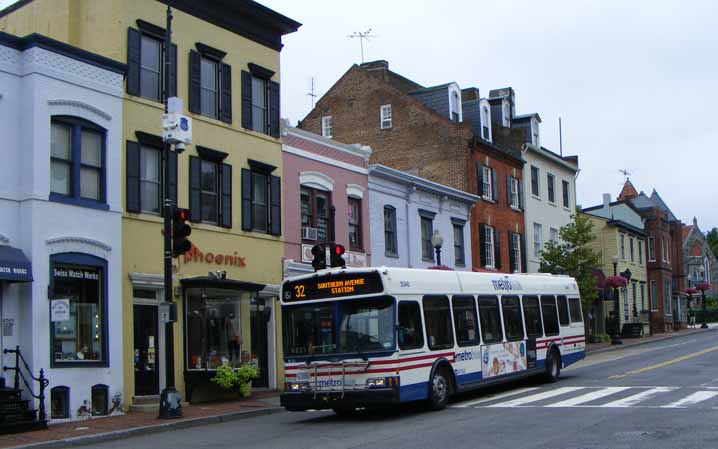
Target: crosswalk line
537, 397
588, 397
496, 397
638, 397
692, 399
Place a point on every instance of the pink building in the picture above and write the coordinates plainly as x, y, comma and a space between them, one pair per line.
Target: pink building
320, 173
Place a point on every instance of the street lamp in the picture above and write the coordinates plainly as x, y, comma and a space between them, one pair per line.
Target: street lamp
616, 337
436, 241
703, 286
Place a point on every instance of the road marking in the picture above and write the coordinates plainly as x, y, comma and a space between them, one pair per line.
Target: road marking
638, 397
666, 363
537, 397
698, 396
496, 397
591, 396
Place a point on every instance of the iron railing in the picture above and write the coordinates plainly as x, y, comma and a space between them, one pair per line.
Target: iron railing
41, 380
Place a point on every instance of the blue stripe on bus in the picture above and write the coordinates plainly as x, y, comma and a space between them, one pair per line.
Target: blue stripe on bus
574, 357
414, 392
468, 378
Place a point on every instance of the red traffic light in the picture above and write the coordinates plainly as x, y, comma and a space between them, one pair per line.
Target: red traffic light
339, 250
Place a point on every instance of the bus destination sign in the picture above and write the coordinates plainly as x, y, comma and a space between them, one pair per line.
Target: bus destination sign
334, 286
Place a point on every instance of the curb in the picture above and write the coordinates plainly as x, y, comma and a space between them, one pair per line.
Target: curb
147, 430
654, 340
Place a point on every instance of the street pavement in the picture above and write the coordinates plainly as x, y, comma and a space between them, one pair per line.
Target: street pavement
658, 395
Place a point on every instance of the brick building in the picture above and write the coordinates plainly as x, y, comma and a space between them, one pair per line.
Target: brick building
440, 133
666, 280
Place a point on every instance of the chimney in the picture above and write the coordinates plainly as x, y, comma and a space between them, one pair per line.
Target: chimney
606, 200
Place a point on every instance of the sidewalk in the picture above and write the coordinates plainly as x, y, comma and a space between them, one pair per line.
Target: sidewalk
95, 430
597, 348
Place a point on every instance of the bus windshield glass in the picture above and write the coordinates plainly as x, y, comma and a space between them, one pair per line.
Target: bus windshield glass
339, 327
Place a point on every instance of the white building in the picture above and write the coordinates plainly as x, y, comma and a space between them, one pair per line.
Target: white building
550, 196
405, 210
60, 206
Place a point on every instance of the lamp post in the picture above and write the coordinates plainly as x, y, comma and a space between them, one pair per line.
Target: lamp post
703, 286
616, 337
436, 241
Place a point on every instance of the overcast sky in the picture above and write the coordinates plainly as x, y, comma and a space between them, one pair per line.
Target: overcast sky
634, 82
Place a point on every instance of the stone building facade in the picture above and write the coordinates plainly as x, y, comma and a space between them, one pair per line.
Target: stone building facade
700, 264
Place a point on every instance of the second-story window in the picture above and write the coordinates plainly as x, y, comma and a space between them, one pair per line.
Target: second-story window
150, 179
534, 180
327, 123
261, 199
77, 160
459, 254
144, 175
427, 230
355, 227
640, 252
390, 235
550, 187
630, 248
566, 193
651, 245
514, 195
487, 184
209, 85
489, 246
210, 189
385, 116
623, 246
538, 239
515, 241
315, 214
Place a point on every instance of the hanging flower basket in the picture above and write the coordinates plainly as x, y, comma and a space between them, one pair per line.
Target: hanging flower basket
691, 291
615, 282
703, 286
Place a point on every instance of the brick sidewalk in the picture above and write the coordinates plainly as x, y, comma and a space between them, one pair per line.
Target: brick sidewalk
147, 421
629, 342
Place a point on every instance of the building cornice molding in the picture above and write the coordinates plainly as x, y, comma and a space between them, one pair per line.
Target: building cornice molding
146, 279
78, 241
363, 151
421, 183
76, 104
316, 179
324, 159
355, 190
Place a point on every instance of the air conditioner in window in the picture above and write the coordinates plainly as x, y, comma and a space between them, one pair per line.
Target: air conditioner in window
309, 233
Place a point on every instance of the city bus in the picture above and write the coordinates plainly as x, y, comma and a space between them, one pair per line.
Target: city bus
369, 337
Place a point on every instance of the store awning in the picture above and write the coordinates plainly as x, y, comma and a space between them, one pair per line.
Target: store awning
14, 266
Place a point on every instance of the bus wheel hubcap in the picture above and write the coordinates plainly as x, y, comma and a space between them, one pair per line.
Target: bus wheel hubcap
439, 388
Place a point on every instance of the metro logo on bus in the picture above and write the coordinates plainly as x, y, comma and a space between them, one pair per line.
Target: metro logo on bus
506, 284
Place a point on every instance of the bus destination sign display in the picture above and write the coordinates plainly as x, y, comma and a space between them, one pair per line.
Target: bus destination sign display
323, 287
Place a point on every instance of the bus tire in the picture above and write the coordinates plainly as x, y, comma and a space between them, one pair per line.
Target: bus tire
439, 389
344, 412
553, 366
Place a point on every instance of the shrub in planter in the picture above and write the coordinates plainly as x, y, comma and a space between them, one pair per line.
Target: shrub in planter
237, 379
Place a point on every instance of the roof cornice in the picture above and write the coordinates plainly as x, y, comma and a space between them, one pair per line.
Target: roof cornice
421, 183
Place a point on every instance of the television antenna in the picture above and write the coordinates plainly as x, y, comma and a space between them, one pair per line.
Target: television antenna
361, 35
311, 93
626, 174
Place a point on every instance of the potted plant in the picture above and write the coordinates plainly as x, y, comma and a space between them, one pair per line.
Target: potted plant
236, 379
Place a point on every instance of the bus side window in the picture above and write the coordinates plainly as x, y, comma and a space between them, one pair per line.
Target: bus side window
562, 310
575, 307
465, 320
490, 319
532, 316
411, 334
548, 310
437, 318
513, 323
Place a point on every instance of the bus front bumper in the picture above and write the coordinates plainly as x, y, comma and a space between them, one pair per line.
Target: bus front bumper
306, 400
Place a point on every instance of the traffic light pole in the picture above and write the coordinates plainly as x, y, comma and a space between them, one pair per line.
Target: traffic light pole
170, 401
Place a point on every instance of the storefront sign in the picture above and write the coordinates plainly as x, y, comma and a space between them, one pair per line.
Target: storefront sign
76, 273
194, 255
59, 310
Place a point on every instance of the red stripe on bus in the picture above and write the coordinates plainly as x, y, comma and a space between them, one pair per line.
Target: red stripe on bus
381, 362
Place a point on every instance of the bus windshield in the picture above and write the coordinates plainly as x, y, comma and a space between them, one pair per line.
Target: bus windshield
339, 327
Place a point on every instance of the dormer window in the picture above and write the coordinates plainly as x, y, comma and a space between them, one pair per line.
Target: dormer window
485, 120
507, 114
455, 107
535, 132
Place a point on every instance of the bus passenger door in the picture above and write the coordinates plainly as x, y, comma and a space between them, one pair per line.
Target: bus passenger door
531, 352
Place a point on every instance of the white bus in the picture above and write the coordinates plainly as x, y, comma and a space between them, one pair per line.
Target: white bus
366, 337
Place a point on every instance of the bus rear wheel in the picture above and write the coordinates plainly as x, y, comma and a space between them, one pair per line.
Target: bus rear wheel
553, 366
439, 389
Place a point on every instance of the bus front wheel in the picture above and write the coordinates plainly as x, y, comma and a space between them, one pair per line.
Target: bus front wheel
439, 389
553, 366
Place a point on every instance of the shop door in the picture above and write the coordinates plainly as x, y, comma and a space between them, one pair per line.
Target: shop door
147, 379
260, 315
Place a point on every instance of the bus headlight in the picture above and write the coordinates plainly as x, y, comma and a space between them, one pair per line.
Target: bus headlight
297, 386
376, 382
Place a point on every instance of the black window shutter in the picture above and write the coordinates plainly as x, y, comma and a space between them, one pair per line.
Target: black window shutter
494, 186
195, 71
134, 42
275, 204
246, 100
195, 202
173, 71
497, 249
246, 200
480, 179
512, 258
173, 177
226, 209
273, 109
508, 190
225, 100
522, 244
133, 176
521, 193
482, 244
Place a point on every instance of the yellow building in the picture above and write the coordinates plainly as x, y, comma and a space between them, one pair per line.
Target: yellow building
620, 238
225, 65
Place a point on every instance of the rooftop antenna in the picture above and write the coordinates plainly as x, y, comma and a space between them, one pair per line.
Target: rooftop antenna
560, 137
311, 93
362, 35
625, 173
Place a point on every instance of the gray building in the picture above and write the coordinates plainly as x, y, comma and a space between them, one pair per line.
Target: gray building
700, 264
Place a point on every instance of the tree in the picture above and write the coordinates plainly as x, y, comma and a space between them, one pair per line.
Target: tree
712, 239
572, 255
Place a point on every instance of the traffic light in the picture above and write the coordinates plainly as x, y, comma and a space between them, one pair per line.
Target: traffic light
319, 262
336, 259
180, 232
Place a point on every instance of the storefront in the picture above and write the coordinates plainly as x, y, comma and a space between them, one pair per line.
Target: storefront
15, 276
